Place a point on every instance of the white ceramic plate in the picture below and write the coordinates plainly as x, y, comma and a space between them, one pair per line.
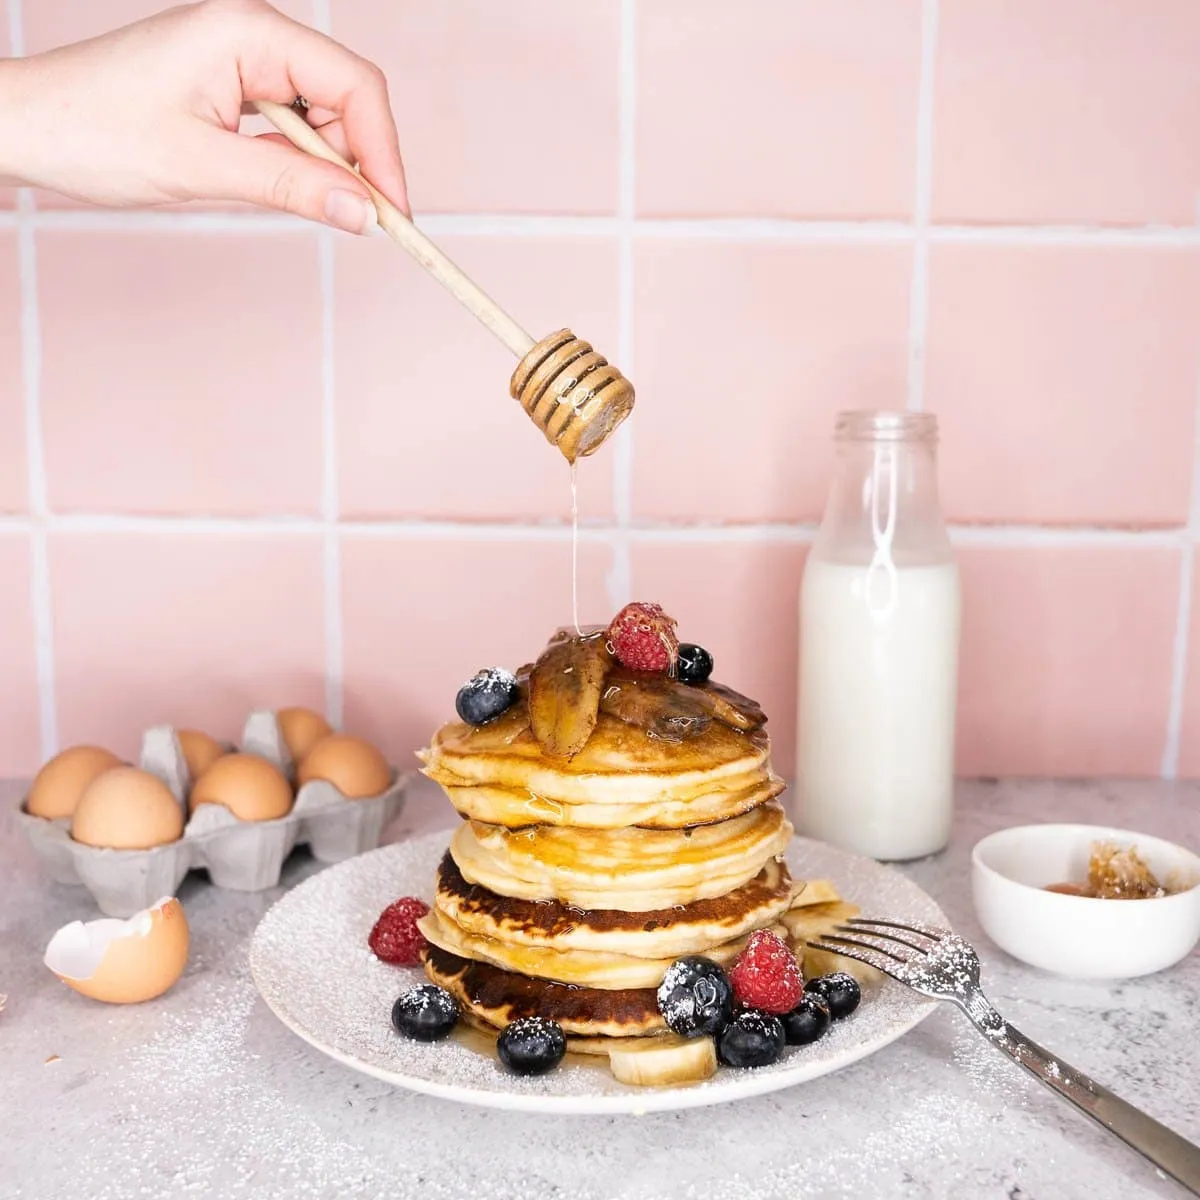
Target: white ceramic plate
310, 960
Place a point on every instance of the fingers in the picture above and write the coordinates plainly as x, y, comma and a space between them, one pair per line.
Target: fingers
330, 127
270, 172
287, 59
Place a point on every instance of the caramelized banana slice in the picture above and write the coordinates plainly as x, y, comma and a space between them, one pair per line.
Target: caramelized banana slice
565, 687
732, 707
655, 703
667, 708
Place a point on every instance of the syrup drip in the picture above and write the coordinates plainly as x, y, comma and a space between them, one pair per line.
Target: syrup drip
575, 549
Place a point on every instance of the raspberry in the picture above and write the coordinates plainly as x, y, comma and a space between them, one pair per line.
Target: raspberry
643, 638
766, 975
396, 938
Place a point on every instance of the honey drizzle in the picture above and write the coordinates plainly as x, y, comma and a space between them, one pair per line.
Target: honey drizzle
575, 549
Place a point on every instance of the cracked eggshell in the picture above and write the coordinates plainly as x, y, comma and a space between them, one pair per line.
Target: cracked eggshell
123, 962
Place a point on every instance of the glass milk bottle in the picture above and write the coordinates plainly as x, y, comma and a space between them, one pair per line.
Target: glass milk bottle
879, 624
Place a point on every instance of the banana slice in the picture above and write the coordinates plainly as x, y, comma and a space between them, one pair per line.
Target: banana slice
821, 962
665, 1061
810, 924
565, 687
814, 891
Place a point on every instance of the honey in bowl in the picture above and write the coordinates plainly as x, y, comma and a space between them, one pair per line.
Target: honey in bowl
1114, 874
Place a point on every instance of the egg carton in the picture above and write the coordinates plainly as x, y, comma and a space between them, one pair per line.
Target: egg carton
245, 856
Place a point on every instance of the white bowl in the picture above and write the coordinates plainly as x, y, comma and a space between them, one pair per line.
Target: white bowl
1079, 936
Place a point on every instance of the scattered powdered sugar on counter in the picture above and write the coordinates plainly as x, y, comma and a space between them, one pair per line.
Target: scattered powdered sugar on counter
166, 1094
311, 962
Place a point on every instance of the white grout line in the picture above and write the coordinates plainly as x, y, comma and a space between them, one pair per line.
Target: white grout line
771, 229
918, 311
16, 29
332, 557
166, 221
1183, 622
35, 466
516, 225
1036, 536
620, 579
1179, 665
801, 533
1068, 235
734, 229
590, 529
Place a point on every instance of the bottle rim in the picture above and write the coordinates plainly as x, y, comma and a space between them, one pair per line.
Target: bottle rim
885, 425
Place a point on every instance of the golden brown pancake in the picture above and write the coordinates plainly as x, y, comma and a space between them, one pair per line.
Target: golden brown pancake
659, 933
496, 997
631, 869
514, 808
619, 765
588, 968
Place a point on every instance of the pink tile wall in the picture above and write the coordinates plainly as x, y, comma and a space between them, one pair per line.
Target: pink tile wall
772, 108
14, 487
282, 466
402, 344
192, 401
1067, 112
194, 630
20, 735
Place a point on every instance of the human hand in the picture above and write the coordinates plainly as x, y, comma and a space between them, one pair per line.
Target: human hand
149, 114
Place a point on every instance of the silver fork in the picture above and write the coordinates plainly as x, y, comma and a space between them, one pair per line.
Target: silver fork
939, 964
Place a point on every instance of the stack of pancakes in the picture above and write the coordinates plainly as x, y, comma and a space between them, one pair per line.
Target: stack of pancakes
576, 880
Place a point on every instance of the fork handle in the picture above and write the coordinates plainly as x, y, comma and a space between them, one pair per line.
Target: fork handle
1171, 1153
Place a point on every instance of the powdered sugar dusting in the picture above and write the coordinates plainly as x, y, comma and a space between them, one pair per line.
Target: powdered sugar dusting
311, 963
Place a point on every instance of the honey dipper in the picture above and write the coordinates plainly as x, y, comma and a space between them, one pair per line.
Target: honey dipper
571, 393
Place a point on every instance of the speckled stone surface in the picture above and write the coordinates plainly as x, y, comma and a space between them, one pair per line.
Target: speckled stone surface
204, 1093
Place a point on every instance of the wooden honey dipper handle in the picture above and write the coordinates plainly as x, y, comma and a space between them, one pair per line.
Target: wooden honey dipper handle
574, 395
402, 231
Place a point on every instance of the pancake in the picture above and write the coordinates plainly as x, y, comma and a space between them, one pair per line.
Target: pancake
619, 764
635, 870
588, 968
657, 934
496, 997
514, 808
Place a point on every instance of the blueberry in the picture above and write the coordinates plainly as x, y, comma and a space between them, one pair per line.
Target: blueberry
751, 1039
531, 1046
807, 1021
695, 997
840, 991
694, 663
486, 695
425, 1013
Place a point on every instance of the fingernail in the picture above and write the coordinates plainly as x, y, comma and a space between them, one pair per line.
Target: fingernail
350, 212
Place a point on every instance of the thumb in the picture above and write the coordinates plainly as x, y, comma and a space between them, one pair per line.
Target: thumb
271, 173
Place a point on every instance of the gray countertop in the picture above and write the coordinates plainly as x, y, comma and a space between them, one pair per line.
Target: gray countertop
204, 1092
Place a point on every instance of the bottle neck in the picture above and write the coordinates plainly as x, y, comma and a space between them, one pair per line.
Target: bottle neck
883, 499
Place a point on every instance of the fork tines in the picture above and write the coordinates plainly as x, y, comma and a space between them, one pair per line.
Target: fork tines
880, 943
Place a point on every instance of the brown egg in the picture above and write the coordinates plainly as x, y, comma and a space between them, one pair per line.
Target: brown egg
58, 785
353, 766
301, 729
127, 809
252, 788
199, 750
123, 962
